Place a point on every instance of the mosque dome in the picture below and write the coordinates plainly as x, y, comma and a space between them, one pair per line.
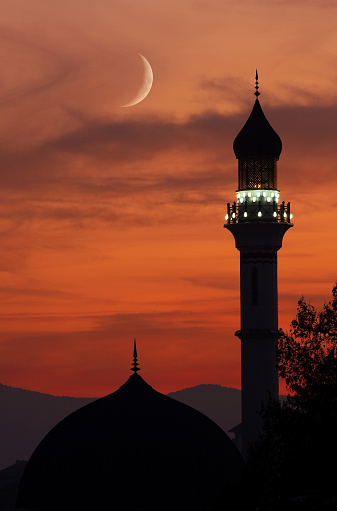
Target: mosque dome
133, 448
257, 138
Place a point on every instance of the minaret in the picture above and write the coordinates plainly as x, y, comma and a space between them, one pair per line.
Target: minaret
258, 222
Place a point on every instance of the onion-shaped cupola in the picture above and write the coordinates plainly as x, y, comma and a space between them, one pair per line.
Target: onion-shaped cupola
134, 448
257, 147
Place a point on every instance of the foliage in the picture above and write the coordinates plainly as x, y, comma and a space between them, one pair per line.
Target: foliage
291, 465
307, 358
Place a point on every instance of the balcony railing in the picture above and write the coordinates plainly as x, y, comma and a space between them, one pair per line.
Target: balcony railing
258, 211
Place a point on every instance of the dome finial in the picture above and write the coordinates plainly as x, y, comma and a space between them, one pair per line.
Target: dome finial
256, 85
135, 364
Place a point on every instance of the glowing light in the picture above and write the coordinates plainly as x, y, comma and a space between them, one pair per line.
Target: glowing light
245, 214
233, 215
226, 217
259, 213
284, 214
291, 215
274, 214
257, 195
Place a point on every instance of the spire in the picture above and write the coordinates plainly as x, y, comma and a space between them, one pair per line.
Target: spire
257, 139
256, 85
135, 364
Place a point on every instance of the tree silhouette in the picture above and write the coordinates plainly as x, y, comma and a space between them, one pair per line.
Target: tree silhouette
307, 358
292, 465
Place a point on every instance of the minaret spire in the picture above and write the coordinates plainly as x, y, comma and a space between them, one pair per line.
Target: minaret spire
256, 84
135, 364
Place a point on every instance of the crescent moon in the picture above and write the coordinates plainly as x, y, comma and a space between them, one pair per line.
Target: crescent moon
146, 85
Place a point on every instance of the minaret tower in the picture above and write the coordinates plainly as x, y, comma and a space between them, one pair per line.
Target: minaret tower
258, 222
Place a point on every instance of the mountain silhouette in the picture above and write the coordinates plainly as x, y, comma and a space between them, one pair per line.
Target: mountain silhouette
221, 404
26, 417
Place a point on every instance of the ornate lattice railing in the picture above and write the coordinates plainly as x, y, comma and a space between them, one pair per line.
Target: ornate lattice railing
259, 211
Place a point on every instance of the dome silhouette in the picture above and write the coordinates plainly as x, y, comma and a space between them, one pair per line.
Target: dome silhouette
257, 138
133, 448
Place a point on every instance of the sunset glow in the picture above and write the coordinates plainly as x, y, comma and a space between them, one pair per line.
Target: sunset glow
111, 218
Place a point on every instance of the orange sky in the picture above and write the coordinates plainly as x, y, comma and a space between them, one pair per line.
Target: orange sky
111, 219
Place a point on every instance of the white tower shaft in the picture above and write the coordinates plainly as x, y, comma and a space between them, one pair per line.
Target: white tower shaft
258, 244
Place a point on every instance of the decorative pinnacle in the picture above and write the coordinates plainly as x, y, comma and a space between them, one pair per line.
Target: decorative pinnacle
135, 364
256, 85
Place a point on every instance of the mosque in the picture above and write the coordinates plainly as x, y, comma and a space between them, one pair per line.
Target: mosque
137, 448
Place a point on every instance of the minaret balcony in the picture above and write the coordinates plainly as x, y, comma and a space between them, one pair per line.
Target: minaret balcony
258, 206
